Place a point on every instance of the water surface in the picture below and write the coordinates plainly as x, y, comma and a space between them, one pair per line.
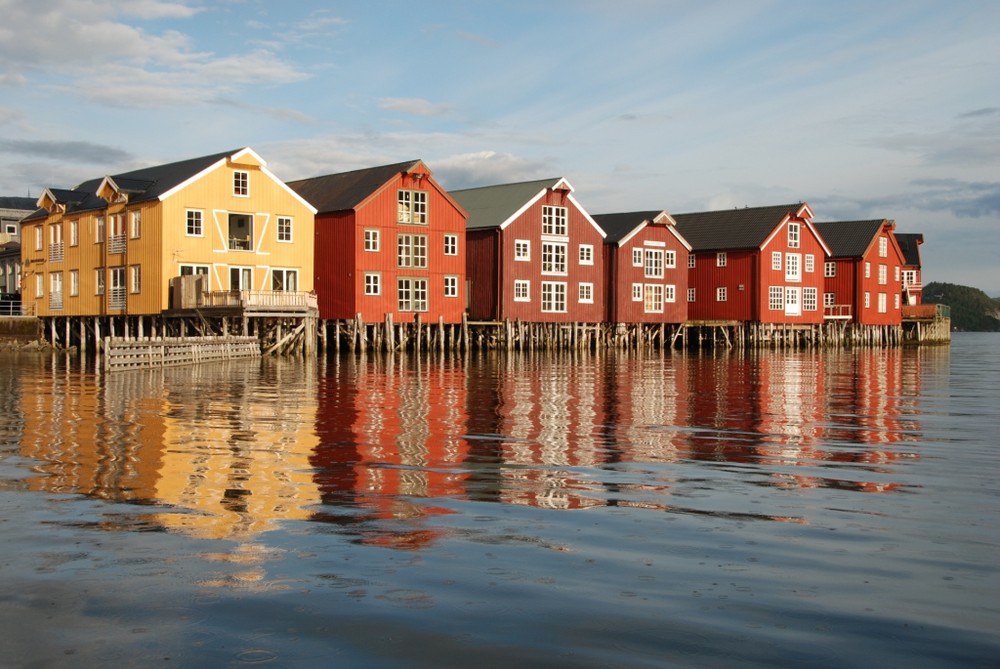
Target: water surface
823, 509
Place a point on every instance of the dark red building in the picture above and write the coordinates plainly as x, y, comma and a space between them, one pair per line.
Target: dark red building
533, 254
863, 275
389, 240
645, 268
756, 264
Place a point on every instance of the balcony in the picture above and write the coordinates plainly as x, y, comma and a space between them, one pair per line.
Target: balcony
837, 312
116, 244
269, 301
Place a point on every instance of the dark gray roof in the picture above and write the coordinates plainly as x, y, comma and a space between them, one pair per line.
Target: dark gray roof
619, 226
491, 206
144, 184
346, 190
850, 239
18, 203
909, 244
732, 228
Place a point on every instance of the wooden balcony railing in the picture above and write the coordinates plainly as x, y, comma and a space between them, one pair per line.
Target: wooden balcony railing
256, 300
837, 312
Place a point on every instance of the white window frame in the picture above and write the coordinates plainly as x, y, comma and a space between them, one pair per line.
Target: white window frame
670, 259
638, 258
585, 293
135, 279
373, 283
135, 223
776, 260
868, 270
810, 297
637, 292
883, 275
829, 299
653, 265
692, 294
721, 294
451, 245
522, 250
74, 233
411, 207
793, 267
586, 253
652, 298
284, 229
555, 220
411, 251
829, 269
522, 290
99, 281
554, 297
372, 240
793, 301
412, 294
721, 259
692, 261
194, 225
39, 238
810, 263
450, 285
882, 303
776, 298
241, 183
669, 293
794, 235
554, 258
74, 282
99, 230
883, 247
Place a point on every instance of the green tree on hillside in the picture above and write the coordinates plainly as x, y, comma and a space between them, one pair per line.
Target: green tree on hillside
972, 310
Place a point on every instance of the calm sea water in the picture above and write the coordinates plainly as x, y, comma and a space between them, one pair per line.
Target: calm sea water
820, 509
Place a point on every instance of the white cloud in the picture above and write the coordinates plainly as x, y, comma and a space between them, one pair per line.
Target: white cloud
415, 106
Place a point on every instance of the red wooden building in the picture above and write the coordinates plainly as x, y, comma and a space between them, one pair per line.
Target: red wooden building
389, 240
759, 264
534, 254
863, 274
645, 268
913, 286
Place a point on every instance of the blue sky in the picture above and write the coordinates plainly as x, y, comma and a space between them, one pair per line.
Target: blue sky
871, 109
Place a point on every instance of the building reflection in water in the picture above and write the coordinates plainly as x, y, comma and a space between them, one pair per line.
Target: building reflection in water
379, 447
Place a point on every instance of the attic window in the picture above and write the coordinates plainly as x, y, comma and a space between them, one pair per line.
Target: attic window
241, 183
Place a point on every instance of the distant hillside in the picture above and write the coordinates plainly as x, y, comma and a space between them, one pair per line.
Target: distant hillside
972, 310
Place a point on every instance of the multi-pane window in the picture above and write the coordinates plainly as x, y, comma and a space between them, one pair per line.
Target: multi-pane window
586, 254
692, 261
868, 270
586, 293
284, 229
793, 235
195, 224
895, 273
74, 282
721, 259
909, 277
451, 286
809, 299
412, 294
99, 230
883, 247
285, 280
829, 299
653, 299
373, 283
793, 270
654, 264
691, 294
829, 269
810, 263
868, 300
776, 298
637, 258
411, 251
241, 183
554, 220
882, 306
522, 249
411, 207
135, 224
74, 233
554, 296
776, 260
39, 285
451, 245
553, 257
135, 278
522, 290
99, 281
669, 293
721, 294
637, 292
883, 275
117, 244
670, 259
372, 240
895, 302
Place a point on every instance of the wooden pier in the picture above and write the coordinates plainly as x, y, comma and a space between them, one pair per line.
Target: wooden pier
122, 354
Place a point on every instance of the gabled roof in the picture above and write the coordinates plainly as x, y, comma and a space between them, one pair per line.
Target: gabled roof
731, 229
621, 227
851, 239
347, 190
909, 244
147, 183
498, 206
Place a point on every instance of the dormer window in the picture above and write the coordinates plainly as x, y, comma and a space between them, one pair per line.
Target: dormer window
793, 235
241, 183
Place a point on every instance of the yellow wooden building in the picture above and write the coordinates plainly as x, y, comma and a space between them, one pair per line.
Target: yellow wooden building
121, 245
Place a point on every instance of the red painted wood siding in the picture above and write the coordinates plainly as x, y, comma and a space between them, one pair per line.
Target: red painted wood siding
706, 278
345, 262
620, 274
809, 246
528, 227
481, 266
851, 284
